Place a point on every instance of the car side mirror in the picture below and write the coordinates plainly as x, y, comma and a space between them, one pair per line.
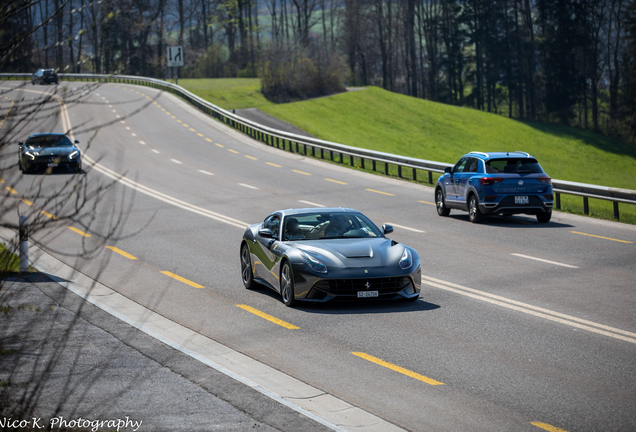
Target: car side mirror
387, 229
76, 141
20, 143
448, 170
265, 233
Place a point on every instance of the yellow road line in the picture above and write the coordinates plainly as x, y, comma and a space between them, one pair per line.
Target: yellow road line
121, 252
200, 134
219, 145
26, 201
250, 157
180, 279
13, 191
380, 192
192, 130
82, 233
274, 165
397, 368
301, 172
426, 202
48, 215
185, 125
208, 140
548, 427
268, 317
233, 151
336, 181
1, 181
179, 121
601, 237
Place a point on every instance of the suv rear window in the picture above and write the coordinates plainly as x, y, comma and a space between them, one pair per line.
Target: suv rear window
514, 166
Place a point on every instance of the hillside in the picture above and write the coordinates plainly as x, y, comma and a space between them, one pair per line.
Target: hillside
380, 120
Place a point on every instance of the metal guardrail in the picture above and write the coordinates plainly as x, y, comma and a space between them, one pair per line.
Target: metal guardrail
312, 146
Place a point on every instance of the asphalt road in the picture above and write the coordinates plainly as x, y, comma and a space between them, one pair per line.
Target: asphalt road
524, 326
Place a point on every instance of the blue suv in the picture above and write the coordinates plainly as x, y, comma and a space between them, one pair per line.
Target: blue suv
495, 183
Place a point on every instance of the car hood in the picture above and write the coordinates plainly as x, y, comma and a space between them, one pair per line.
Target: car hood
51, 151
354, 252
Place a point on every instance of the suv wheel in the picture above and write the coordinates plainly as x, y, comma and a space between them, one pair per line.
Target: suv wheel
544, 217
442, 210
474, 214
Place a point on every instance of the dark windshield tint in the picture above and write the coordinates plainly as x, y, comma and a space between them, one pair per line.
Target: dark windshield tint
514, 166
49, 141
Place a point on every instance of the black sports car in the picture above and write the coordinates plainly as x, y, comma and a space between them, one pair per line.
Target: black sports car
316, 255
49, 150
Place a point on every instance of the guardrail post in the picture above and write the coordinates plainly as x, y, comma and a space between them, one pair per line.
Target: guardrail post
399, 171
24, 243
430, 177
386, 168
615, 210
557, 200
586, 206
414, 174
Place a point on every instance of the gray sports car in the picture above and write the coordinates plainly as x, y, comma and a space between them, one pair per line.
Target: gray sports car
49, 151
317, 255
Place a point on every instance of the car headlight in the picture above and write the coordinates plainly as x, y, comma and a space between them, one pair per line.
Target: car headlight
313, 263
29, 155
407, 259
72, 155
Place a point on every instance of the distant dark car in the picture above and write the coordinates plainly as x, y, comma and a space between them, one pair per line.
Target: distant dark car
495, 183
318, 255
49, 150
44, 76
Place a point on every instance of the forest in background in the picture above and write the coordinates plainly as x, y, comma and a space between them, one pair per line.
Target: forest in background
566, 61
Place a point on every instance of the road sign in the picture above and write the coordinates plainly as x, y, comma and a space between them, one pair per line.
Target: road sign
175, 56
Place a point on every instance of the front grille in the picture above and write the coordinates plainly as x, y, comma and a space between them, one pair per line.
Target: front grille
350, 287
51, 159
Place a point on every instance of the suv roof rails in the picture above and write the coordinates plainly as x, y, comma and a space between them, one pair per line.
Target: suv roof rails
527, 155
480, 153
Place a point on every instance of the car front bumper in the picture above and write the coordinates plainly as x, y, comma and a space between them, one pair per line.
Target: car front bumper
345, 284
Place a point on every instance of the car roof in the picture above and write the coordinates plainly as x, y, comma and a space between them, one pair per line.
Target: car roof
299, 211
498, 155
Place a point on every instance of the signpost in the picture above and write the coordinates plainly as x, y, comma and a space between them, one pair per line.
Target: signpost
175, 59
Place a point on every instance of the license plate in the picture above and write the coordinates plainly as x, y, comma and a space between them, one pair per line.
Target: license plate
365, 294
522, 200
52, 164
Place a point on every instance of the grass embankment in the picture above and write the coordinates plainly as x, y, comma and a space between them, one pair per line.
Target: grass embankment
380, 120
9, 263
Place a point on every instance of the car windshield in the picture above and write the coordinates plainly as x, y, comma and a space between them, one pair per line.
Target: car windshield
48, 72
314, 226
49, 141
514, 166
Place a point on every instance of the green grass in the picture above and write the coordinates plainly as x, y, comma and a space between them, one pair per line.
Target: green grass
380, 120
228, 93
9, 263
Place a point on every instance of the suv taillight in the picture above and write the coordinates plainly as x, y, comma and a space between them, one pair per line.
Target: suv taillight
490, 180
547, 180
